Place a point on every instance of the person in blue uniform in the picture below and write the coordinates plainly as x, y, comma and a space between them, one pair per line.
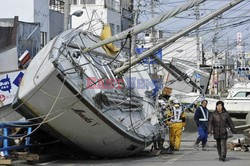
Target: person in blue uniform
201, 118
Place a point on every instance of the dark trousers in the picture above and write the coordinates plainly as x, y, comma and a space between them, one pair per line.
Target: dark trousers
222, 147
203, 134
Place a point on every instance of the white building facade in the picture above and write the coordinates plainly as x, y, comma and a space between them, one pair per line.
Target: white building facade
99, 12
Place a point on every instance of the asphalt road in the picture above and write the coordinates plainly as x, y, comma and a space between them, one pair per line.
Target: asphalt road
187, 156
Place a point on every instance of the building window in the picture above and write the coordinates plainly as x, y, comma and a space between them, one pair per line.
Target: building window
56, 5
43, 39
240, 94
112, 26
87, 1
74, 2
248, 94
118, 29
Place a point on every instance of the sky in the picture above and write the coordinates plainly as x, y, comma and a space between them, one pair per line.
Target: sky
219, 33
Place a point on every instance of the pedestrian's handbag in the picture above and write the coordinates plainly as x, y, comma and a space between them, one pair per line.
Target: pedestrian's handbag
229, 133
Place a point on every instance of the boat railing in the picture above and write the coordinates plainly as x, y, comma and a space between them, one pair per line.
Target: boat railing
7, 135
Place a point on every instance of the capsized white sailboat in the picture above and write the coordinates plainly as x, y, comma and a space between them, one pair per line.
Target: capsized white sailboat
83, 100
100, 117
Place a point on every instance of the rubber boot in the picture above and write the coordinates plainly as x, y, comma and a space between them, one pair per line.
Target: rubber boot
156, 147
196, 145
160, 144
204, 147
169, 150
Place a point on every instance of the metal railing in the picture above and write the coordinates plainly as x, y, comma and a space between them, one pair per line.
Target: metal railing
6, 136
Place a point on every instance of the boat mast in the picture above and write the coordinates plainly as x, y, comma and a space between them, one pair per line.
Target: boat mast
176, 36
145, 25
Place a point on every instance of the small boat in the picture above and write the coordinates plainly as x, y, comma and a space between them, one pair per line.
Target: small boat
237, 102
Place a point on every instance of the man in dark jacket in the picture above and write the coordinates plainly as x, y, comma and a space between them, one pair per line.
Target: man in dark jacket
201, 118
219, 121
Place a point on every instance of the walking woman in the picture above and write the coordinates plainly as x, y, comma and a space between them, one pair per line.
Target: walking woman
219, 121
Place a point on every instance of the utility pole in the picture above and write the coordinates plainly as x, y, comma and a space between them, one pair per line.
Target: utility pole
147, 24
135, 22
153, 41
226, 66
197, 16
214, 57
171, 39
66, 14
153, 28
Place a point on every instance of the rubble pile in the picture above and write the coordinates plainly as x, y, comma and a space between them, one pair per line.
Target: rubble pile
238, 144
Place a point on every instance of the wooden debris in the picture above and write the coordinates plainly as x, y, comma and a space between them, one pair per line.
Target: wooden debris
5, 161
34, 158
154, 153
238, 147
20, 155
230, 146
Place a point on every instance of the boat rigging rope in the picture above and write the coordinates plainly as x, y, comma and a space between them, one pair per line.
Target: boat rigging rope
22, 101
44, 120
39, 117
130, 95
107, 64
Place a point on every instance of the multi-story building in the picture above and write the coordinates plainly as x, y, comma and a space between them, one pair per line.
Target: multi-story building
48, 13
99, 12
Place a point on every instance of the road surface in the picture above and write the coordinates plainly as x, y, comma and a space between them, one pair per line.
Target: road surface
187, 156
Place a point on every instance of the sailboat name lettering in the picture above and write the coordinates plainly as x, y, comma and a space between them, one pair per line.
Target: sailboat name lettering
84, 117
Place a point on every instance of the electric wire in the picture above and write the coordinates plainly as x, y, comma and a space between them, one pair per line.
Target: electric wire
43, 121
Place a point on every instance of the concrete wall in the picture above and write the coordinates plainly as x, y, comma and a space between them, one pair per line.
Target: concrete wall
114, 18
56, 23
27, 11
98, 13
28, 37
8, 31
5, 33
41, 15
8, 60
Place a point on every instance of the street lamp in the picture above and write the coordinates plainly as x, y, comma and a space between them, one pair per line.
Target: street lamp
77, 13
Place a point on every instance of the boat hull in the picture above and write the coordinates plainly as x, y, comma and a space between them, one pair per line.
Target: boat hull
80, 122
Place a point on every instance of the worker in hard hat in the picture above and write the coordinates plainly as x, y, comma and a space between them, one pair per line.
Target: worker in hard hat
163, 101
177, 118
166, 94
